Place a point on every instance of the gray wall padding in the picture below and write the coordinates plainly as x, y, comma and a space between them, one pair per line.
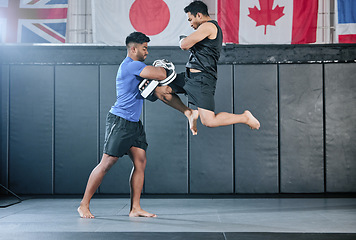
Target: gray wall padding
167, 154
301, 128
211, 151
31, 118
76, 126
4, 126
256, 152
340, 119
54, 101
117, 179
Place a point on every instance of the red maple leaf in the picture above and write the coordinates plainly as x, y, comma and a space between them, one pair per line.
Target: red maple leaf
266, 16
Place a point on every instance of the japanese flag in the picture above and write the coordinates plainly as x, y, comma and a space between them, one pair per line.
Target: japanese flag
268, 21
162, 21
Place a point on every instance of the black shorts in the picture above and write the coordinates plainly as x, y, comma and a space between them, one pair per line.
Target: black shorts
122, 134
200, 88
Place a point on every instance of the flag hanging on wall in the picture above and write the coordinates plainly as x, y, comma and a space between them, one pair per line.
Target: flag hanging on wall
345, 21
162, 21
33, 21
268, 21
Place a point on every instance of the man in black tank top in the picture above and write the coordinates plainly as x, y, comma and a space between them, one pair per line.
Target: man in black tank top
199, 80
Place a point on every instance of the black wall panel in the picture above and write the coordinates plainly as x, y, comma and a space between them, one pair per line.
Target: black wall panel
167, 153
340, 118
31, 115
54, 101
76, 126
256, 151
301, 128
4, 126
211, 151
117, 179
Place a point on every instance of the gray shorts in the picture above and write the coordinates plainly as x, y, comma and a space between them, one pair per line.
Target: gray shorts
200, 88
122, 134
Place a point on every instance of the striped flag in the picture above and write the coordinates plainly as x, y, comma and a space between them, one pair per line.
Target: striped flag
268, 21
33, 21
346, 21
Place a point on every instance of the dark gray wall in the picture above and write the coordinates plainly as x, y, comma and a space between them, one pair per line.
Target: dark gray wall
301, 128
4, 115
116, 181
54, 102
256, 152
30, 128
167, 136
211, 151
340, 119
76, 114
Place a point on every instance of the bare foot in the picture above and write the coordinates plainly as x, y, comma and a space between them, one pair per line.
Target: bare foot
251, 120
84, 212
193, 121
141, 213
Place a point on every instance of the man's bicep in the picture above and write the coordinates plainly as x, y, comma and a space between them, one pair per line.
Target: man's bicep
151, 72
202, 32
191, 40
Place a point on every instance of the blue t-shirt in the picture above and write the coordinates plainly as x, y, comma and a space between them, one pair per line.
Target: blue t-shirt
129, 101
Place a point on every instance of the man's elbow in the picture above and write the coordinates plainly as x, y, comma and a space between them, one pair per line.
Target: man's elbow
183, 44
184, 47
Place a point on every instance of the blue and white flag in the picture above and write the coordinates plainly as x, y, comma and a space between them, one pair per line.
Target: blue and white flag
33, 21
345, 21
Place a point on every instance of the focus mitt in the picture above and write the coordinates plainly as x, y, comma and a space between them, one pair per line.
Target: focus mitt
147, 87
170, 70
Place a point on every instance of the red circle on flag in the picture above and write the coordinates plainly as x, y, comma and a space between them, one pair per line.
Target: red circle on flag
150, 17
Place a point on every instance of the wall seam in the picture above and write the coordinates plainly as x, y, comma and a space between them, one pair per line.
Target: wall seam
98, 122
233, 132
54, 132
279, 127
8, 130
8, 127
324, 127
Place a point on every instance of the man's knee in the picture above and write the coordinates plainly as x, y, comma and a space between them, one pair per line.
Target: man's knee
140, 163
163, 93
208, 122
207, 117
107, 162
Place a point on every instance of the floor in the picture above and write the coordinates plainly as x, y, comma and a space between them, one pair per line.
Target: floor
183, 218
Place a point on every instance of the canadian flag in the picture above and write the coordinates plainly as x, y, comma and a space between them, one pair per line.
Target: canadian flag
268, 21
162, 21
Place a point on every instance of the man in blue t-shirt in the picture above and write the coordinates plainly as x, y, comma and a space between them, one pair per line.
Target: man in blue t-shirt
124, 130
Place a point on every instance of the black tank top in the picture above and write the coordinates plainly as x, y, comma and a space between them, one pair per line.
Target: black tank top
204, 55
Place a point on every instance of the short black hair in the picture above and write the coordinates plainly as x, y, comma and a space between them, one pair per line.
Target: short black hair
195, 7
136, 37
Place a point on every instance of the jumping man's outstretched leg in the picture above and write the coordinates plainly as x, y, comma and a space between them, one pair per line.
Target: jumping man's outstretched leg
210, 119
